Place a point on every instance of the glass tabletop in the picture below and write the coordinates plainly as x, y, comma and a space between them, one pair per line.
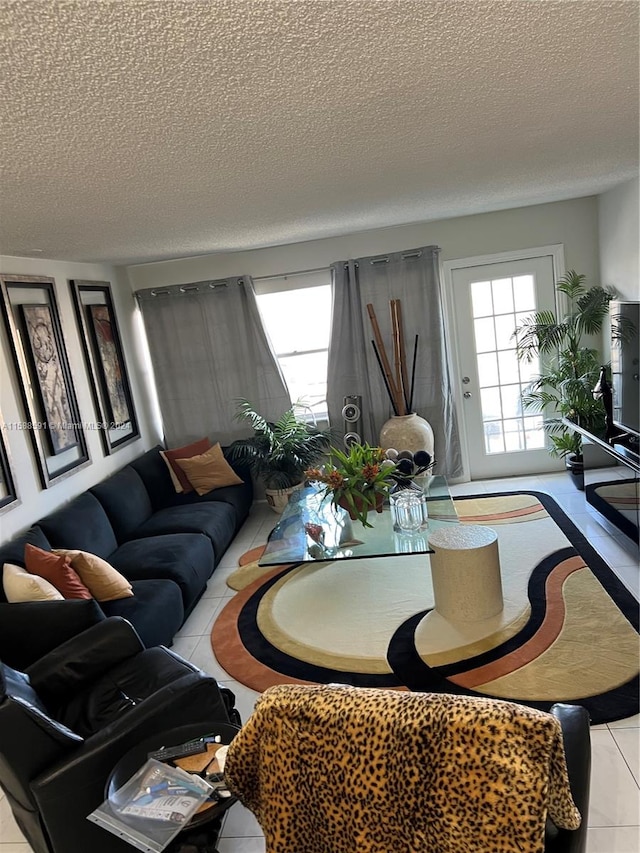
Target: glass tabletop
312, 529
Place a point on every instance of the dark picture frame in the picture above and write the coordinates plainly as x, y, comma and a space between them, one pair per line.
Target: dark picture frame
51, 413
8, 494
104, 355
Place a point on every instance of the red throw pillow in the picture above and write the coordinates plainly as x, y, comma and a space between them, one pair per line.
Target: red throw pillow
186, 452
57, 570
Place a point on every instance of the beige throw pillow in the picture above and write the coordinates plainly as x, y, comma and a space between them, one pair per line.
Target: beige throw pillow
175, 481
103, 581
209, 471
21, 585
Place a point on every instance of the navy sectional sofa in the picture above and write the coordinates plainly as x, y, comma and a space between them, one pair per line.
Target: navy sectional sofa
166, 544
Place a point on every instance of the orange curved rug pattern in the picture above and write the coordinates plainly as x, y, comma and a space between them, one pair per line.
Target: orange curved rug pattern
568, 631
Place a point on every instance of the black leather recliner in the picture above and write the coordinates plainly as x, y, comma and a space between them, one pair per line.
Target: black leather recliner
71, 716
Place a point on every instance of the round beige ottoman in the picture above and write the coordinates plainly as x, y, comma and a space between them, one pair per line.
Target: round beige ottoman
465, 570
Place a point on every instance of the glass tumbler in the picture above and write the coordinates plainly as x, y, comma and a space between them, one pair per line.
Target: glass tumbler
408, 511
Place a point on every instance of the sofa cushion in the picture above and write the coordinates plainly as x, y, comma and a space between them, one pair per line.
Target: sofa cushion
125, 500
103, 581
240, 498
155, 611
184, 558
81, 524
216, 520
170, 457
13, 551
209, 471
21, 585
56, 569
56, 621
155, 476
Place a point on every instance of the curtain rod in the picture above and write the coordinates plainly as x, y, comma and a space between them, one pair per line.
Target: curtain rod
287, 274
188, 287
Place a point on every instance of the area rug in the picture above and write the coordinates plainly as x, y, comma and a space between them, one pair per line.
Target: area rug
568, 631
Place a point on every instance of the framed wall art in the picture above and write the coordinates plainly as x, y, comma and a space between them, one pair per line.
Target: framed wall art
42, 351
8, 493
105, 360
52, 417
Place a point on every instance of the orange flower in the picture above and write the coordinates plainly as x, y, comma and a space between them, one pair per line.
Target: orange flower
370, 472
335, 479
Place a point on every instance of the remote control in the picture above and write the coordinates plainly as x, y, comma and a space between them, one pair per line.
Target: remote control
191, 747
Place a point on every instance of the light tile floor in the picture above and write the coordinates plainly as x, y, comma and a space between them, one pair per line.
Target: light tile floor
614, 817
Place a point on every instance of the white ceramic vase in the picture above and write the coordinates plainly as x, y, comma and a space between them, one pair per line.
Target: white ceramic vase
407, 432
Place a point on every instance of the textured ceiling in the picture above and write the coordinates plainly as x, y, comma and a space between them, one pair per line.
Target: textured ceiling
140, 130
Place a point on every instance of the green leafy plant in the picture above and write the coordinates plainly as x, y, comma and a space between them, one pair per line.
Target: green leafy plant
358, 479
569, 368
279, 452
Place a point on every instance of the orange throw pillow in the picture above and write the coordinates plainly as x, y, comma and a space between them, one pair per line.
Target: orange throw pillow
103, 581
209, 471
185, 452
55, 569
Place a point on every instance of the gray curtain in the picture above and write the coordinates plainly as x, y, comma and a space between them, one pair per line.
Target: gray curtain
413, 277
208, 349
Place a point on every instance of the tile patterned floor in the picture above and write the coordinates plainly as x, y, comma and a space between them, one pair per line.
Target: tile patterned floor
614, 819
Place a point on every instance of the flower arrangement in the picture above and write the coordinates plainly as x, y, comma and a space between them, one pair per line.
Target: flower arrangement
361, 478
358, 480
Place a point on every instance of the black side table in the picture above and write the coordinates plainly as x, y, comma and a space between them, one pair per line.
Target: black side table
201, 833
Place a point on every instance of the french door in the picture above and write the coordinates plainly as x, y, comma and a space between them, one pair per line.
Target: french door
487, 301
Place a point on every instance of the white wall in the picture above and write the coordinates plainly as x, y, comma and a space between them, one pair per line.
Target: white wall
36, 502
619, 227
573, 223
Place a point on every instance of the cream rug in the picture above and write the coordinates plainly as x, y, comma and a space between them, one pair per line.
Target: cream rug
568, 630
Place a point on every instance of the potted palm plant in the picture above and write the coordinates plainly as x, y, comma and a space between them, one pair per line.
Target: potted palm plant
279, 452
569, 368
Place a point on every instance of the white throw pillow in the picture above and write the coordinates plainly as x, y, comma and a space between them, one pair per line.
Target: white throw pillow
21, 585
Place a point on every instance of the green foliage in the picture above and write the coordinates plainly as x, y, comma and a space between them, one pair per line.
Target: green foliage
280, 452
569, 368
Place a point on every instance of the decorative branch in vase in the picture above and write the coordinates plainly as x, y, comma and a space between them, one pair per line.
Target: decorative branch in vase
405, 429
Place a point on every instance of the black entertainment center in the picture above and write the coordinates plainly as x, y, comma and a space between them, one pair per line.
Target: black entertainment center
613, 490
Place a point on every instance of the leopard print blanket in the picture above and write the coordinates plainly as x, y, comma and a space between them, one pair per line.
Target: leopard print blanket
338, 769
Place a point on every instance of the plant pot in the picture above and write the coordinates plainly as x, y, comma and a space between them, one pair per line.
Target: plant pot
575, 467
360, 506
407, 432
279, 498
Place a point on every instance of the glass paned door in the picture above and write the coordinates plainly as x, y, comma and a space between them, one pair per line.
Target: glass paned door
489, 302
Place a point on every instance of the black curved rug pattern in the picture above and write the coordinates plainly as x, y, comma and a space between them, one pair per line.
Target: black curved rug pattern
410, 671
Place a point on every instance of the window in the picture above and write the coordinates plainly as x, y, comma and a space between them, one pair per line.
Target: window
499, 305
296, 312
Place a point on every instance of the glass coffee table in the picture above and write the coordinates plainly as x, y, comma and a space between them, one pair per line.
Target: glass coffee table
312, 529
